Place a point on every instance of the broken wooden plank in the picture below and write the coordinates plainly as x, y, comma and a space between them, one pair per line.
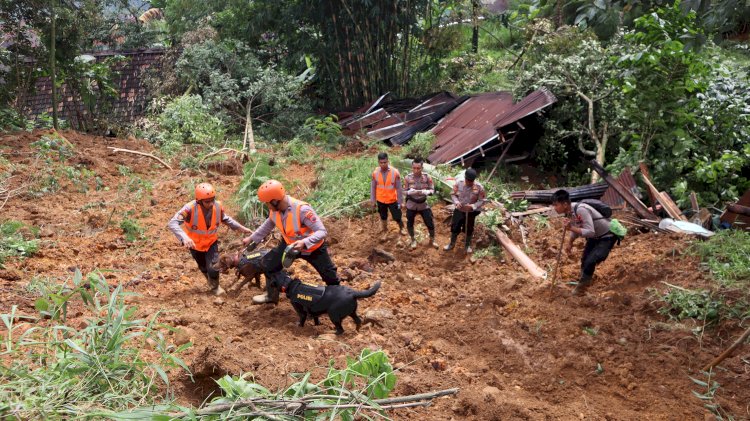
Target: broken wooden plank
531, 212
653, 192
633, 201
694, 202
520, 256
671, 207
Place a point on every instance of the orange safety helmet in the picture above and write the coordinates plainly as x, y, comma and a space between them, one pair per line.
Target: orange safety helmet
271, 190
204, 191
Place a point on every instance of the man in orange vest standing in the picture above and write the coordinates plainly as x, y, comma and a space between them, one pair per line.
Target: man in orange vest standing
200, 234
385, 190
301, 229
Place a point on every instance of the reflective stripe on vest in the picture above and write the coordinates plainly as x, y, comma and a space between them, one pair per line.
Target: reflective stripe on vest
203, 236
291, 227
385, 189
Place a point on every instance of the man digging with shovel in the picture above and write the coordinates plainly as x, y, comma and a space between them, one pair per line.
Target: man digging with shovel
468, 198
304, 237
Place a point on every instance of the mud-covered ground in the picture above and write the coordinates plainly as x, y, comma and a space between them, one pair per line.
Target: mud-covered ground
486, 326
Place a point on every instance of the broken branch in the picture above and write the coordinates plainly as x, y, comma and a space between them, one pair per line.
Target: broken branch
140, 153
519, 255
728, 351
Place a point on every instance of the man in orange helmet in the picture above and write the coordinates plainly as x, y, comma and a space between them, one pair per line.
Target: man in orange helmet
301, 229
200, 234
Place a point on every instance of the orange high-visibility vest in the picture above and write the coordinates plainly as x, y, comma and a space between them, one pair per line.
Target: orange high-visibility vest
196, 228
385, 190
291, 226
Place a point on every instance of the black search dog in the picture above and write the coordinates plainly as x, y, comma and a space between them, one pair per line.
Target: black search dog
336, 300
248, 266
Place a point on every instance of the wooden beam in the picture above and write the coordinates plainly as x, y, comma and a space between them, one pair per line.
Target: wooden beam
694, 202
739, 209
531, 212
520, 256
633, 201
671, 207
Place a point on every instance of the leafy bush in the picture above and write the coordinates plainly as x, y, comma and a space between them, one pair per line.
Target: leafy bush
256, 172
726, 255
11, 120
187, 120
685, 304
325, 131
343, 185
131, 230
13, 243
419, 146
55, 370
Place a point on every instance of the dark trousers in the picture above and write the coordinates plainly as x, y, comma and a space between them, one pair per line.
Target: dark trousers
411, 215
395, 212
460, 224
207, 259
319, 259
595, 252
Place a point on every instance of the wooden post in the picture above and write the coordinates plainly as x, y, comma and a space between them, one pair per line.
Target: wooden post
520, 256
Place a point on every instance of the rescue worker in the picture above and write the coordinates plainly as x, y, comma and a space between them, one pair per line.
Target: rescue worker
418, 186
468, 198
586, 222
200, 234
385, 190
300, 227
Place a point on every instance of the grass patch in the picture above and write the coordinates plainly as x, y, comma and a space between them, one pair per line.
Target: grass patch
256, 172
343, 185
706, 306
13, 242
132, 230
726, 256
55, 370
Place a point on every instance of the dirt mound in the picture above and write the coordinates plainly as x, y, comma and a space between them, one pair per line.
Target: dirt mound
486, 327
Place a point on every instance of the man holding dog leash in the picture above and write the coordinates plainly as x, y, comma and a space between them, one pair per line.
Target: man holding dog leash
304, 236
200, 235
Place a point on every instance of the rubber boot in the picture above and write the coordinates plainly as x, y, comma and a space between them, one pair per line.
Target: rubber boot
452, 244
213, 283
413, 243
583, 284
433, 243
469, 250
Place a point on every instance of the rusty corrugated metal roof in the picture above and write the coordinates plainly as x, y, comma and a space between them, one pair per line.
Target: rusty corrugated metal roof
613, 199
477, 122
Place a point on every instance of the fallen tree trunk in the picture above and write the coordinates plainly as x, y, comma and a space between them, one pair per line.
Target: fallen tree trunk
520, 256
140, 153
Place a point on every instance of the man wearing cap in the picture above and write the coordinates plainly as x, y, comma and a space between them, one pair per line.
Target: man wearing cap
303, 232
418, 186
468, 197
200, 235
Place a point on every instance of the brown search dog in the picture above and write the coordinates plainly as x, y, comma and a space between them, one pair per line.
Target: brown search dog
248, 267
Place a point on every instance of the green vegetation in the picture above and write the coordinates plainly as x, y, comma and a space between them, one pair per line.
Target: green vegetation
55, 370
132, 230
323, 131
343, 186
256, 172
364, 379
726, 256
13, 241
419, 146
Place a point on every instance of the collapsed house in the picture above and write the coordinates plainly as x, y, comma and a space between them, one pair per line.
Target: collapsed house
466, 128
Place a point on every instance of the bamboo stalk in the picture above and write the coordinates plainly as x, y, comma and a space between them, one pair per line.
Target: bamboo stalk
728, 351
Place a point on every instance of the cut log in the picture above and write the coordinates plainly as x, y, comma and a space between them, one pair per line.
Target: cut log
520, 256
140, 153
633, 201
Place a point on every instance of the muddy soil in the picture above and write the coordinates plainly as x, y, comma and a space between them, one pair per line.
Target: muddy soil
515, 351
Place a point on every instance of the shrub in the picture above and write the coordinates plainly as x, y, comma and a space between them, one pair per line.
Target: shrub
255, 173
343, 184
13, 243
325, 131
419, 146
187, 120
131, 230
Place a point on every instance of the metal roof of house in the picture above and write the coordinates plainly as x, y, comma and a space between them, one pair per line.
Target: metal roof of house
479, 120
